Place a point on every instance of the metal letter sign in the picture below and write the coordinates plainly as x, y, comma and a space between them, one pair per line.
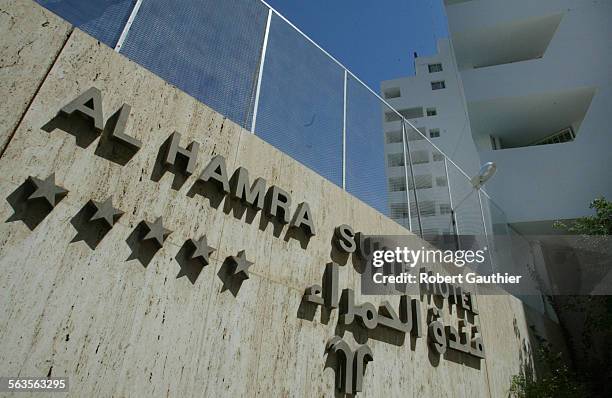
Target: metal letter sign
253, 196
279, 199
190, 153
88, 104
276, 200
303, 219
464, 338
118, 134
216, 171
351, 364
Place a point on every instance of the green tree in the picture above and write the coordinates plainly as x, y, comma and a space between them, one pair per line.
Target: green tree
597, 310
598, 224
558, 381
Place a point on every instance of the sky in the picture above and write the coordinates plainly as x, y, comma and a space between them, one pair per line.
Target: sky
375, 39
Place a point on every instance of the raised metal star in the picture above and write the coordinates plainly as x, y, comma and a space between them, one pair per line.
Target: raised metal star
242, 264
157, 233
46, 189
106, 212
201, 250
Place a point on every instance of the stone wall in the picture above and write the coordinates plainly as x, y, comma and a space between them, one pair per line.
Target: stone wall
119, 320
32, 37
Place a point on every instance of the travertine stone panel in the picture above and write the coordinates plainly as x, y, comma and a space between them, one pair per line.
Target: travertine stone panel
505, 333
31, 39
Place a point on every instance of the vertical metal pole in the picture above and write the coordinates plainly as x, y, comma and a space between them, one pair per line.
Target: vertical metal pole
262, 61
404, 150
484, 225
416, 196
450, 198
344, 133
128, 25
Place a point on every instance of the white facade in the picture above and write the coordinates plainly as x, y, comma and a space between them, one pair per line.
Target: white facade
433, 101
530, 69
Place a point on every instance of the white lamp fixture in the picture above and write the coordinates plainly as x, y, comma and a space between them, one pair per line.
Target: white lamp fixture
486, 172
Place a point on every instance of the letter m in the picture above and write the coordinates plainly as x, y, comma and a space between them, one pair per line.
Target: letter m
253, 195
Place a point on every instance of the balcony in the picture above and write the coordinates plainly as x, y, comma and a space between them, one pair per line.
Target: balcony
506, 43
526, 120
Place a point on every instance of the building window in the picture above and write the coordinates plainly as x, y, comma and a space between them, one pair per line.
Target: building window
441, 181
409, 113
438, 85
414, 135
433, 68
432, 112
445, 208
427, 208
422, 182
419, 157
394, 137
392, 93
565, 135
395, 159
412, 113
438, 157
399, 211
392, 117
397, 184
434, 133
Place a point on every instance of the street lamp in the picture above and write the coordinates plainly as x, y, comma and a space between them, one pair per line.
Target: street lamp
484, 174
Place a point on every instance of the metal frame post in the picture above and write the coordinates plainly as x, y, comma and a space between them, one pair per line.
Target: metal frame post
450, 198
486, 233
344, 131
416, 196
404, 150
128, 25
262, 61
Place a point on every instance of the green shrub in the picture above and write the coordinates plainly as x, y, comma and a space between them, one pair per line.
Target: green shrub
558, 381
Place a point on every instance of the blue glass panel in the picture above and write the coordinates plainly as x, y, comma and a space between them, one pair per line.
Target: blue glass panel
103, 19
208, 48
301, 101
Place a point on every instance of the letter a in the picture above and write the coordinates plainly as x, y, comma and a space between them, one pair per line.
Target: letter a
89, 104
303, 219
217, 171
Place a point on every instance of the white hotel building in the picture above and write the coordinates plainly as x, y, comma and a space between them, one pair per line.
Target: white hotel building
433, 101
527, 85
